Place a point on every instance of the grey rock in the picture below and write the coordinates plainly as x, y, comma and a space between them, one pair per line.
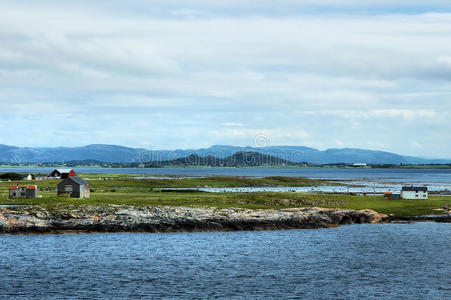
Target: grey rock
116, 218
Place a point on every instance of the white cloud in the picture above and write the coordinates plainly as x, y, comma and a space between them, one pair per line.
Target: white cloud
445, 60
231, 124
408, 114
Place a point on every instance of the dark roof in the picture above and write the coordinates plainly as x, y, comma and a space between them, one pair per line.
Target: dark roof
415, 188
78, 180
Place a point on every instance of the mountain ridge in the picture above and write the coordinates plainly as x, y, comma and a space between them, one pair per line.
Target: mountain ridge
243, 158
122, 154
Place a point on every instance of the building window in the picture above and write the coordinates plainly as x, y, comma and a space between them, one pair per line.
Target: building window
68, 188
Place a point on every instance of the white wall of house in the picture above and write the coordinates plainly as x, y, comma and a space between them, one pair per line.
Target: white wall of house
412, 195
84, 191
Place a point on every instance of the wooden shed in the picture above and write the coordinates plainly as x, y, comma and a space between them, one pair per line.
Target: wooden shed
391, 195
75, 187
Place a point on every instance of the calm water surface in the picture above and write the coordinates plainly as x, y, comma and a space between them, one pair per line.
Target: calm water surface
387, 261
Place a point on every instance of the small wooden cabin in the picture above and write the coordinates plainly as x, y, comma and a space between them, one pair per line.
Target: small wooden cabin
391, 195
75, 187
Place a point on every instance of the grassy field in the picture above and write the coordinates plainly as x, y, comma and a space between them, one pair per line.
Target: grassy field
124, 190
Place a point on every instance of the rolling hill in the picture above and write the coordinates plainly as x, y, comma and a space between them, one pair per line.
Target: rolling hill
241, 158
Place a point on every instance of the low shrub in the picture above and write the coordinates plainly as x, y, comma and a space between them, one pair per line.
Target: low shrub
11, 176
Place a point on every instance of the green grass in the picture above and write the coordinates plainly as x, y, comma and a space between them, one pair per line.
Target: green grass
122, 190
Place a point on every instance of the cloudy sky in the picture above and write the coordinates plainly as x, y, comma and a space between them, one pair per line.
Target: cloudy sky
169, 74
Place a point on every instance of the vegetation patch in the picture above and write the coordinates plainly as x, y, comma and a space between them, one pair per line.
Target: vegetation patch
11, 176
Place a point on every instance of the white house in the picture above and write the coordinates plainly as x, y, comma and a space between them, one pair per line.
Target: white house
414, 192
359, 165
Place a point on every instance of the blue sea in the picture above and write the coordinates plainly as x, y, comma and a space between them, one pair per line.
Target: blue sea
373, 261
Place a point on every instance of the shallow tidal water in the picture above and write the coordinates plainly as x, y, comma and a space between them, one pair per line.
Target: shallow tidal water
372, 261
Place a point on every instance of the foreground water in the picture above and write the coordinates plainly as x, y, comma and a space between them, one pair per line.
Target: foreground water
385, 261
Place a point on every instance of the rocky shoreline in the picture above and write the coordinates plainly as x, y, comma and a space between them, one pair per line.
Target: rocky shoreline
443, 218
116, 218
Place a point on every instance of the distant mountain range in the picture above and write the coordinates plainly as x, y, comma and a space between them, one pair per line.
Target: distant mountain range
286, 154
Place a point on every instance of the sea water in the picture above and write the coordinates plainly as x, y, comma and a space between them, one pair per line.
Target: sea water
371, 261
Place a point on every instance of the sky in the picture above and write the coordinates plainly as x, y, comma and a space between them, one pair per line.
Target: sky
171, 74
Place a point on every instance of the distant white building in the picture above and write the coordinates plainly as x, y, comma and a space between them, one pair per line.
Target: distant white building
42, 177
359, 165
414, 192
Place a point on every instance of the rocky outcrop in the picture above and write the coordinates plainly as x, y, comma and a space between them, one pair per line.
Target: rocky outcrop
442, 218
115, 218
